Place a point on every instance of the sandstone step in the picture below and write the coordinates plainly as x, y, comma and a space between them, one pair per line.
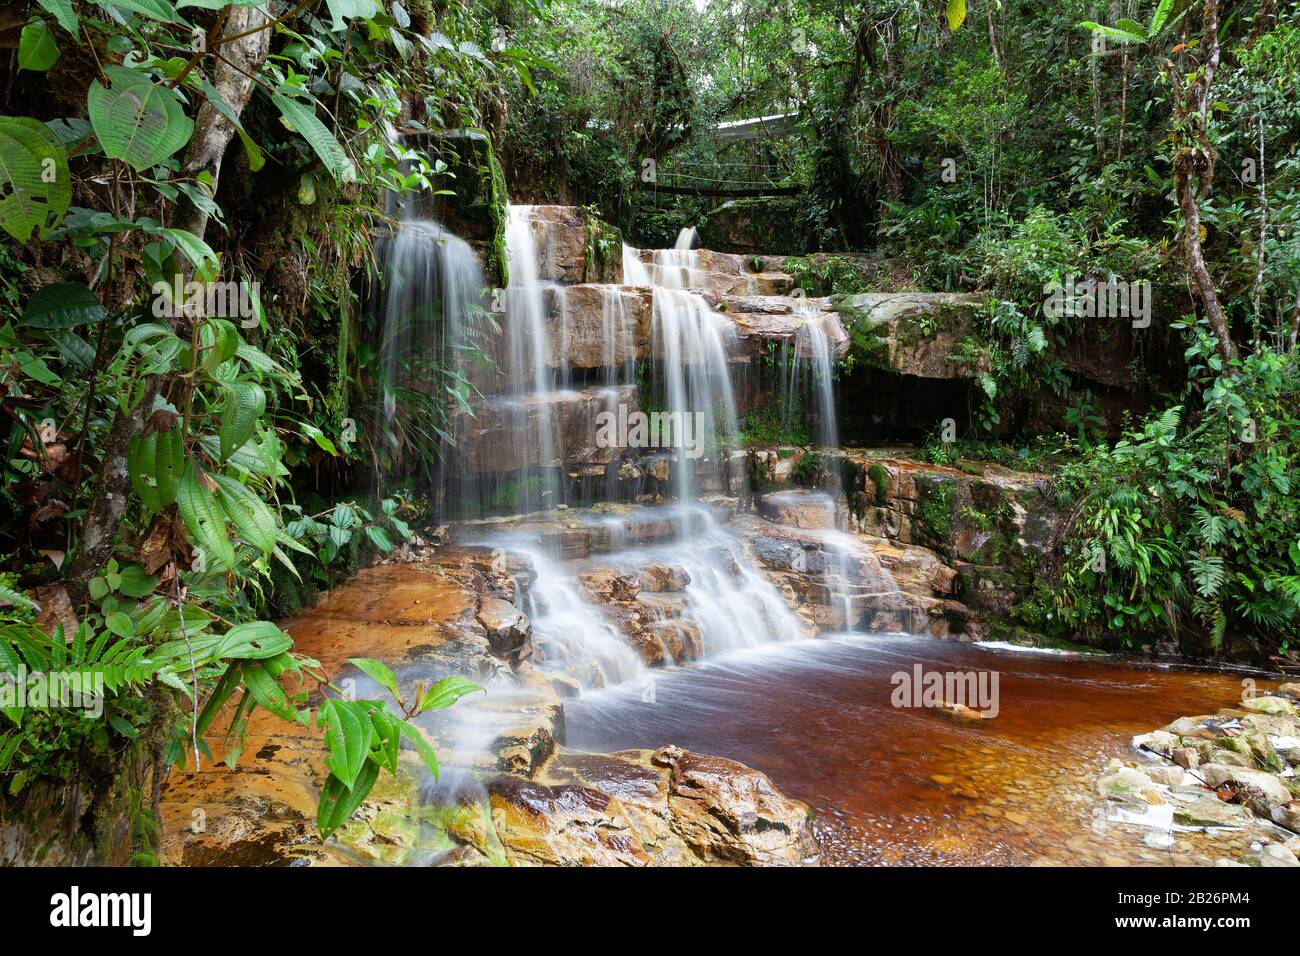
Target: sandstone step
504, 433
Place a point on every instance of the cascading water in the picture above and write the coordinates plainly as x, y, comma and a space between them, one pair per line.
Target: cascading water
430, 304
692, 345
528, 352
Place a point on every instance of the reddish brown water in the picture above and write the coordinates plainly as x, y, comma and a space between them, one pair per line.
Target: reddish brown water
908, 785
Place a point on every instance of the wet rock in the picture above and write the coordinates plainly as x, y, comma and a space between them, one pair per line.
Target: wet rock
503, 433
1158, 741
799, 509
1275, 854
1218, 775
563, 825
508, 629
1170, 776
657, 578
1209, 812
1186, 757
729, 813
780, 554
1270, 705
917, 331
1128, 784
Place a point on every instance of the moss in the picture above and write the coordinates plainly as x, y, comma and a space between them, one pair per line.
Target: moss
880, 481
497, 260
934, 512
604, 248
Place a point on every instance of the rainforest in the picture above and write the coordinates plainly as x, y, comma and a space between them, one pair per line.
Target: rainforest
669, 433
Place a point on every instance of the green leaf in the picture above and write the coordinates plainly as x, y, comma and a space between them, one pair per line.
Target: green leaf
137, 120
1112, 33
62, 305
120, 624
376, 671
35, 188
348, 733
341, 9
379, 537
302, 119
253, 640
37, 50
338, 802
245, 402
135, 583
446, 692
266, 690
154, 9
254, 521
956, 14
63, 12
205, 519
1160, 16
421, 745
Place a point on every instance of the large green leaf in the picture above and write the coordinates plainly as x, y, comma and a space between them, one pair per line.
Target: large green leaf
35, 188
136, 119
338, 802
446, 692
302, 119
377, 670
345, 9
956, 14
205, 520
154, 9
253, 640
348, 734
245, 402
254, 521
36, 47
63, 12
62, 305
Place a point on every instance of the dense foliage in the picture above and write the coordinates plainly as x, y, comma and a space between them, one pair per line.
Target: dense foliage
181, 467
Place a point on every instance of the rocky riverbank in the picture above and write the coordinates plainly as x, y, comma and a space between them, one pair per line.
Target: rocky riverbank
509, 792
1230, 772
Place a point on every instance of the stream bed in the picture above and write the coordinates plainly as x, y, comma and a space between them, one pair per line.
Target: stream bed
908, 785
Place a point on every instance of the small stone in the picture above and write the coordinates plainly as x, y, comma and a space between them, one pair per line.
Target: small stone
1016, 817
1186, 757
1170, 776
941, 779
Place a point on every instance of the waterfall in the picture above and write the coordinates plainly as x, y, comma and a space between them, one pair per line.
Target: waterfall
528, 352
430, 306
691, 344
634, 270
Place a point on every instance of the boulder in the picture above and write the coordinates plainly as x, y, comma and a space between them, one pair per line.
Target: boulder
563, 825
915, 333
727, 812
508, 629
1218, 775
1210, 812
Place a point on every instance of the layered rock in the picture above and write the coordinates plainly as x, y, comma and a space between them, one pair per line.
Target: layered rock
506, 433
511, 794
992, 523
